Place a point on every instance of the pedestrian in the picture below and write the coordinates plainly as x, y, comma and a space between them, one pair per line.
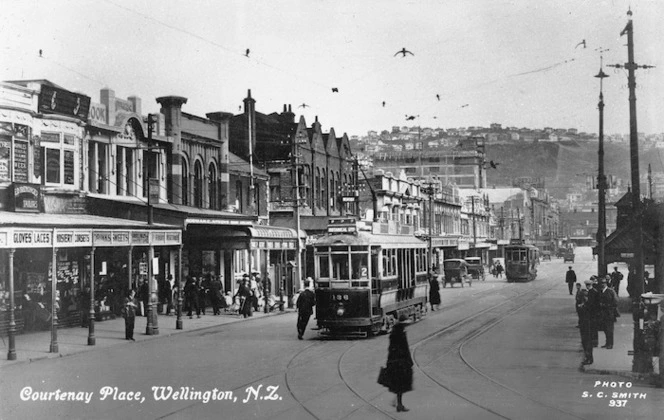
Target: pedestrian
245, 295
267, 292
129, 314
215, 294
305, 304
254, 291
202, 287
191, 297
570, 278
399, 363
167, 293
499, 269
608, 306
579, 292
434, 290
144, 296
616, 278
585, 305
593, 310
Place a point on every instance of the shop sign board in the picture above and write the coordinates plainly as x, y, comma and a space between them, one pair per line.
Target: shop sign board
53, 100
73, 238
26, 197
158, 238
102, 238
173, 238
140, 238
121, 237
31, 238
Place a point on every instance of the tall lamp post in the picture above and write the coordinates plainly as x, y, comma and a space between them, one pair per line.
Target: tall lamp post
641, 363
601, 180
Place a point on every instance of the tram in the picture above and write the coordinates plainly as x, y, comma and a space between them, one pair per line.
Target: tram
366, 281
521, 262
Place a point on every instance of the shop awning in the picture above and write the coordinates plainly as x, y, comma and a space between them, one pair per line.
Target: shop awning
39, 230
270, 237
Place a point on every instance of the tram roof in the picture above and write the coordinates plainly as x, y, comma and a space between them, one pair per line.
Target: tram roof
366, 238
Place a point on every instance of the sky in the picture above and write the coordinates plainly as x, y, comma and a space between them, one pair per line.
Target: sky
475, 62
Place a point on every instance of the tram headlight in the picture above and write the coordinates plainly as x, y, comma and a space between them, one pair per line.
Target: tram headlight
341, 310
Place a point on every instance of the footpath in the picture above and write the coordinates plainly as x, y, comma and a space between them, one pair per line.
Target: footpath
111, 332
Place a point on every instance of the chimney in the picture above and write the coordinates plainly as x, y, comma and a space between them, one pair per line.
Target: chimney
287, 116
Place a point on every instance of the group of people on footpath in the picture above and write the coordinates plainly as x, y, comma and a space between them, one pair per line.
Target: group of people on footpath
597, 309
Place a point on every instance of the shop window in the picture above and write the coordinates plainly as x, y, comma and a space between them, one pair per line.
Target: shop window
60, 159
14, 152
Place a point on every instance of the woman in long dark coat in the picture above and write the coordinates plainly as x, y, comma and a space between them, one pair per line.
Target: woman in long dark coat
434, 290
399, 363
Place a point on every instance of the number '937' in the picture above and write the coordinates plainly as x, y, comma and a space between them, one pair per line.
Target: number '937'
617, 403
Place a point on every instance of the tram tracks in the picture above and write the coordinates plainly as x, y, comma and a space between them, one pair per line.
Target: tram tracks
368, 400
462, 367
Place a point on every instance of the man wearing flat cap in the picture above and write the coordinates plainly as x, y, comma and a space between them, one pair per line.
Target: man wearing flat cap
608, 305
585, 306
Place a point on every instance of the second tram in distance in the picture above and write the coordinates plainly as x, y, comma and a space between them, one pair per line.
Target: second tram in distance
521, 262
365, 281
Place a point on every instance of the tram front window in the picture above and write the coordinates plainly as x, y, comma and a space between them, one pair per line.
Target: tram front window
359, 264
324, 264
340, 267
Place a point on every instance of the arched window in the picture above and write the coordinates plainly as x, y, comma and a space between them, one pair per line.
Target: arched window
317, 186
238, 196
198, 184
212, 186
323, 189
333, 191
185, 182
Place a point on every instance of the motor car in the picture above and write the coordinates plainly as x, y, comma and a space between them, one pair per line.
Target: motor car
569, 256
546, 255
475, 267
456, 271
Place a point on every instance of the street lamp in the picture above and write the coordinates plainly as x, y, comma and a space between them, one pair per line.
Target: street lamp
601, 179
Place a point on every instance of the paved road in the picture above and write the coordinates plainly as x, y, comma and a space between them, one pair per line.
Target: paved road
495, 350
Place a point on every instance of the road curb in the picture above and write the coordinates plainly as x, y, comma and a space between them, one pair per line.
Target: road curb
147, 337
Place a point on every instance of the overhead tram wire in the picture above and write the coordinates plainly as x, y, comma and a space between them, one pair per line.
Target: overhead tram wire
233, 51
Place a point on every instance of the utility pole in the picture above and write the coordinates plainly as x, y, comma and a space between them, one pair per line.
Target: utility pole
601, 180
298, 250
641, 363
148, 174
431, 190
472, 212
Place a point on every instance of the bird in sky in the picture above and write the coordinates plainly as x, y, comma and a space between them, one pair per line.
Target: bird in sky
246, 53
410, 117
335, 89
438, 97
304, 106
494, 165
403, 51
581, 43
464, 105
40, 53
383, 104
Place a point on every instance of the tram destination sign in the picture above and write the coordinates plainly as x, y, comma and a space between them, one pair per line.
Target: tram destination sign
342, 225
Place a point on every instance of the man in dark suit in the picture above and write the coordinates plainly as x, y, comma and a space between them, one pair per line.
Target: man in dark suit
608, 304
585, 305
570, 278
305, 308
